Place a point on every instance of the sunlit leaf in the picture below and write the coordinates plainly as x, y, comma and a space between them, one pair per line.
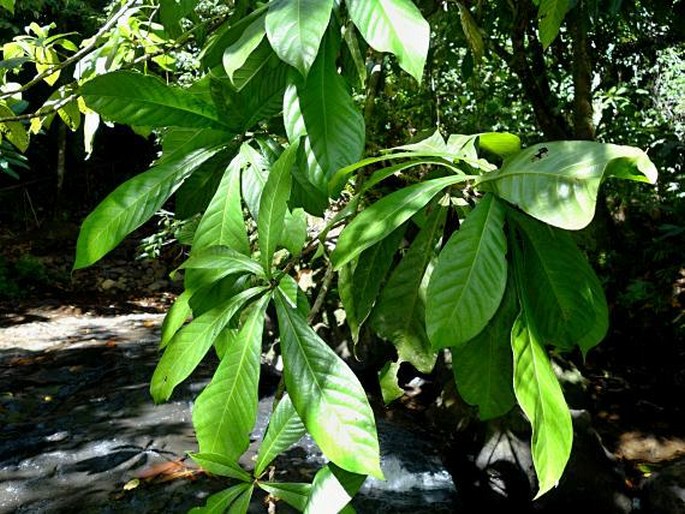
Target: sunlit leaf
220, 465
175, 317
285, 429
236, 55
332, 489
387, 378
294, 494
550, 15
218, 503
222, 258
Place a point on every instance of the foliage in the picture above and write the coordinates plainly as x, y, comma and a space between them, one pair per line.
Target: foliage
474, 240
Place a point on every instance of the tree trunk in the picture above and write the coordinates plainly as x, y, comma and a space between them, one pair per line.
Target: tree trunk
583, 124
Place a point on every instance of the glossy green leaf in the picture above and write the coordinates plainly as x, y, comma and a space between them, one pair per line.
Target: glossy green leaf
236, 55
226, 410
222, 258
400, 313
565, 299
294, 231
221, 465
294, 494
175, 317
332, 490
224, 340
242, 502
483, 367
254, 178
550, 15
187, 348
558, 182
379, 220
394, 26
273, 205
136, 99
369, 273
222, 224
197, 191
433, 144
288, 286
540, 396
503, 144
285, 429
387, 378
218, 503
179, 141
469, 279
327, 395
14, 131
295, 29
131, 205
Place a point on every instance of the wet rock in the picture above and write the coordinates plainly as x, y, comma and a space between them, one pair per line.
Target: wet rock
664, 491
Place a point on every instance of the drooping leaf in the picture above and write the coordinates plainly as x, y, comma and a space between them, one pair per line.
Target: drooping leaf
550, 15
222, 224
294, 494
469, 279
558, 182
221, 465
332, 489
379, 220
187, 348
394, 26
237, 54
327, 395
540, 396
566, 301
472, 32
175, 317
387, 378
218, 503
294, 231
273, 205
400, 313
132, 204
285, 429
137, 99
222, 258
483, 367
295, 29
226, 410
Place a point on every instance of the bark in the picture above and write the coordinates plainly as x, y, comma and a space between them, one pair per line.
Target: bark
583, 125
61, 166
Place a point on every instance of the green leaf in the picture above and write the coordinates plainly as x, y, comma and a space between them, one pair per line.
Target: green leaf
219, 502
323, 110
197, 191
379, 220
332, 489
433, 144
136, 99
273, 205
345, 292
179, 141
502, 144
294, 494
387, 378
400, 312
295, 29
565, 300
172, 11
254, 178
483, 367
394, 26
539, 394
242, 503
221, 465
132, 204
285, 429
558, 182
222, 223
14, 131
372, 266
469, 279
294, 231
187, 348
7, 4
327, 395
175, 318
226, 410
222, 258
472, 32
550, 15
236, 55
288, 286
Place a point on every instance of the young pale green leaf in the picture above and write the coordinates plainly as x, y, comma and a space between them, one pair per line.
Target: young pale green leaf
332, 490
550, 15
285, 429
222, 224
503, 144
226, 410
131, 205
565, 300
327, 395
273, 205
394, 26
237, 54
540, 396
221, 465
187, 348
387, 378
222, 258
382, 218
558, 182
14, 131
294, 231
136, 99
218, 503
469, 279
369, 273
294, 494
324, 108
483, 367
295, 29
175, 317
242, 502
399, 315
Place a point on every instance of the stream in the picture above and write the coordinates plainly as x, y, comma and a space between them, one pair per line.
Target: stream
80, 433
